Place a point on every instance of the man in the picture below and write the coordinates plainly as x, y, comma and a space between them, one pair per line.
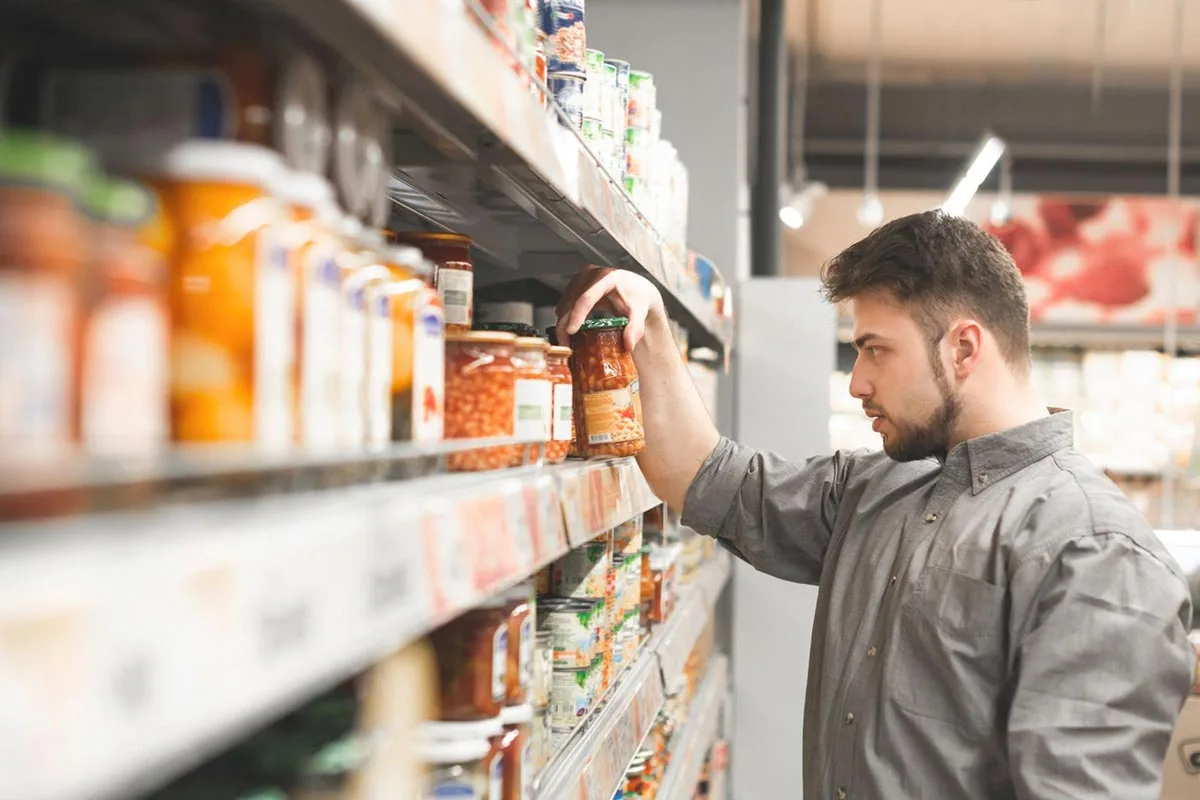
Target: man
995, 620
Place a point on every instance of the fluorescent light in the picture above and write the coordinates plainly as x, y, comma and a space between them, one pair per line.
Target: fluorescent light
981, 165
791, 217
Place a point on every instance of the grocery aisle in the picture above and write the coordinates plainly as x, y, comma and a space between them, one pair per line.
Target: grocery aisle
302, 497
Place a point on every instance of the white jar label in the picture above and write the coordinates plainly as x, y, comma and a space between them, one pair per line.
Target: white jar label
319, 375
429, 370
456, 287
499, 661
351, 414
563, 409
274, 350
379, 371
531, 412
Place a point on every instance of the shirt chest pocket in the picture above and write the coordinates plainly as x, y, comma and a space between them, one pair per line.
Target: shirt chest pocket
950, 651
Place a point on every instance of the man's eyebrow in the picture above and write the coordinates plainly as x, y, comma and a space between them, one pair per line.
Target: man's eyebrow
865, 339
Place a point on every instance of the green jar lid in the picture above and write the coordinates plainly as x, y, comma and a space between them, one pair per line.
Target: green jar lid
519, 328
637, 77
594, 60
40, 159
120, 202
604, 324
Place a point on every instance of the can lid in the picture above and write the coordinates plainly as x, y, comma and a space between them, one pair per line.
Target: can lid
423, 237
532, 343
45, 160
604, 324
640, 76
304, 189
216, 161
559, 350
516, 715
617, 62
476, 730
482, 337
117, 201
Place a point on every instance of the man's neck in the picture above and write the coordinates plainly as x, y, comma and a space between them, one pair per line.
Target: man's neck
1014, 406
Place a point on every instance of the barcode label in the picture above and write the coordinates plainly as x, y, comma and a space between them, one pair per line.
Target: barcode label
600, 438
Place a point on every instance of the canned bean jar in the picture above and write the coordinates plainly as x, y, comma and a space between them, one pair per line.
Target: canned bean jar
611, 411
480, 396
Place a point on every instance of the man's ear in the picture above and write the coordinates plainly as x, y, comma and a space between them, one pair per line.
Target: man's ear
966, 343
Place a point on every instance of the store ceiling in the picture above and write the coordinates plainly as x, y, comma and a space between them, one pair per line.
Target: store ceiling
1079, 88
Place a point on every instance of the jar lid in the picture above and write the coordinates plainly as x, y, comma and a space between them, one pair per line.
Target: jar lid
481, 337
421, 237
44, 160
518, 328
453, 751
616, 62
349, 227
410, 258
516, 715
477, 730
604, 324
219, 162
532, 343
640, 76
559, 350
118, 201
303, 189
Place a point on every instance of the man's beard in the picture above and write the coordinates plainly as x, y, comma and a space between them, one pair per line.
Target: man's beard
915, 442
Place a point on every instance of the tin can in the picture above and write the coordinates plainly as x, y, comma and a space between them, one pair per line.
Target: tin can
593, 134
642, 99
539, 67
637, 152
566, 39
594, 95
567, 90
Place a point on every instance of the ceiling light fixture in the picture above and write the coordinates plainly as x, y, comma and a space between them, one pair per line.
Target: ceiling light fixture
982, 163
799, 206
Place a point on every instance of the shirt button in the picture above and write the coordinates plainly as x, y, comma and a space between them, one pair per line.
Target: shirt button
930, 518
850, 718
872, 651
893, 580
983, 477
841, 794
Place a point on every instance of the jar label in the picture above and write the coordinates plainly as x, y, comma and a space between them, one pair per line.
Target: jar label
452, 790
319, 376
562, 412
36, 320
613, 416
351, 417
525, 654
532, 408
274, 342
455, 286
496, 779
379, 370
125, 375
429, 370
499, 661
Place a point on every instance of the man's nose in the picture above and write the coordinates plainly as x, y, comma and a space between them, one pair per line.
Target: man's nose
860, 387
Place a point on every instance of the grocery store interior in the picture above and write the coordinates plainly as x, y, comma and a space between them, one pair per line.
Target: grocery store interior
302, 497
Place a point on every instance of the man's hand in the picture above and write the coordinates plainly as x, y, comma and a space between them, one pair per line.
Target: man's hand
626, 293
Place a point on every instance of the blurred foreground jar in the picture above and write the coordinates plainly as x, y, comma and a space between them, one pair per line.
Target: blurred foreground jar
309, 241
607, 381
124, 375
418, 348
533, 397
43, 247
480, 396
233, 294
454, 274
562, 423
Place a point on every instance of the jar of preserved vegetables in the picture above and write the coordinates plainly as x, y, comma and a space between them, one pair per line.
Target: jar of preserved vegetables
608, 389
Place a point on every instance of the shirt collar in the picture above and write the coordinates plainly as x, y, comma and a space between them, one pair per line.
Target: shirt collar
985, 460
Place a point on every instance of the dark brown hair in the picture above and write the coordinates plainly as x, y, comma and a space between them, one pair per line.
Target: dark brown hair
938, 265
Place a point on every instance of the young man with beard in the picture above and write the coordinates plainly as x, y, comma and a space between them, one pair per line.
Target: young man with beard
994, 620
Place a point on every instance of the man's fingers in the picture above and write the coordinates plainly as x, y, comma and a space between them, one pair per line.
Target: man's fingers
634, 331
577, 286
570, 323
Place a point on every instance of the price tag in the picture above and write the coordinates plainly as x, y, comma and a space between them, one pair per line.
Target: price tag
553, 541
526, 526
488, 531
395, 592
574, 508
447, 562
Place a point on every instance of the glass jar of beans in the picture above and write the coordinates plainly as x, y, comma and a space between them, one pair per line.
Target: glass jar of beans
480, 396
562, 427
608, 390
534, 397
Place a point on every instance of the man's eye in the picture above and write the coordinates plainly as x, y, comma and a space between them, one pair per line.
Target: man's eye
872, 351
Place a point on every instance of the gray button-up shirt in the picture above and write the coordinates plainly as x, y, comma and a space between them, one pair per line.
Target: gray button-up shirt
1003, 624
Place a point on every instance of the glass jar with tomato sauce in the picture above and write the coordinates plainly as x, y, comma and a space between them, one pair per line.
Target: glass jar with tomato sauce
607, 379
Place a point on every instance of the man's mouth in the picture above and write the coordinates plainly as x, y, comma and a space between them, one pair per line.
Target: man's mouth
877, 423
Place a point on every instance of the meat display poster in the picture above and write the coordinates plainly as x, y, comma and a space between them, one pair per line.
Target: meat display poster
1121, 260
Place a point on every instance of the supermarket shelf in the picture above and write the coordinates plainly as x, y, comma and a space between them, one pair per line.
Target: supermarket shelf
457, 92
593, 764
135, 645
698, 735
673, 641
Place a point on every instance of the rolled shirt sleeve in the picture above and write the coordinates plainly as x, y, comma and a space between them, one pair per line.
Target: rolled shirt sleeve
1102, 670
774, 514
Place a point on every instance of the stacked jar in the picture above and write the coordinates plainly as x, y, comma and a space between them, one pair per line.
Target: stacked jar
562, 431
610, 416
454, 273
639, 135
533, 406
480, 396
